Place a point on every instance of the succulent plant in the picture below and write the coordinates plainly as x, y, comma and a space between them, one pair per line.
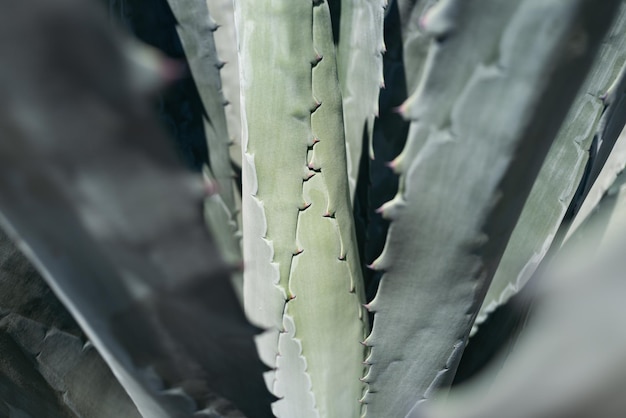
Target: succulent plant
184, 295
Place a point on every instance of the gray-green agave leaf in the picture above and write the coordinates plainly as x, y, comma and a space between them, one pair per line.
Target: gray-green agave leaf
482, 120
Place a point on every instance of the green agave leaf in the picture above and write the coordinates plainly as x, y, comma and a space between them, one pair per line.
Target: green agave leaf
225, 37
360, 70
91, 193
560, 174
196, 28
483, 118
302, 277
570, 359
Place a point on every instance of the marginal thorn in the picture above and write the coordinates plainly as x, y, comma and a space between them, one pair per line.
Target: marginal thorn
211, 187
317, 59
316, 106
328, 214
312, 142
220, 64
298, 251
290, 297
363, 343
309, 175
305, 206
393, 164
312, 166
342, 257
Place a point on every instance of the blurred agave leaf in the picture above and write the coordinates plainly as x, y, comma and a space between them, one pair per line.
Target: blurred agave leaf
483, 118
92, 195
560, 174
360, 72
44, 353
570, 361
614, 165
415, 39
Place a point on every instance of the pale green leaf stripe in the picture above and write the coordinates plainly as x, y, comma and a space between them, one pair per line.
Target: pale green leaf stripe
298, 230
559, 175
195, 29
486, 115
360, 70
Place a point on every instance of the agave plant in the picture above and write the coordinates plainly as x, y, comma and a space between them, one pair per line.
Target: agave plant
268, 302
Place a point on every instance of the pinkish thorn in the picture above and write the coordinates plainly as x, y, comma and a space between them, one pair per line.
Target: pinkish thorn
423, 21
366, 306
305, 206
290, 297
363, 343
371, 266
380, 210
211, 188
342, 257
316, 106
315, 140
399, 109
309, 175
298, 251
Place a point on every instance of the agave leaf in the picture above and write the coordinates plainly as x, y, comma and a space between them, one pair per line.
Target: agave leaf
615, 164
92, 195
298, 231
73, 369
483, 118
570, 359
360, 71
196, 28
415, 39
30, 320
560, 174
225, 36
